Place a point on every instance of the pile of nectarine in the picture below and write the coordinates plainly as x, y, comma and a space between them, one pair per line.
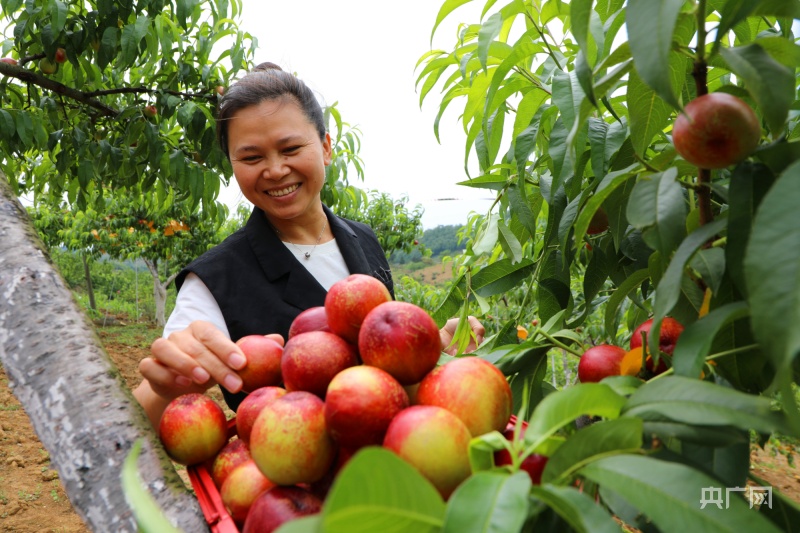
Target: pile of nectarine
362, 370
605, 360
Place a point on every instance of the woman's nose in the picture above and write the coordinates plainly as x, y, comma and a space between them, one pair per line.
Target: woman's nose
275, 168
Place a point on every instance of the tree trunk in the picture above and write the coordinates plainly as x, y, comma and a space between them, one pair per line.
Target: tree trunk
159, 292
89, 287
80, 408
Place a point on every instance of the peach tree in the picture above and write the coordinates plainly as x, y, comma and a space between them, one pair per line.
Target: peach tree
567, 109
101, 99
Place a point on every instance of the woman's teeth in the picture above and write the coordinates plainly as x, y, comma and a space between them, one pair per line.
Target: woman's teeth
283, 192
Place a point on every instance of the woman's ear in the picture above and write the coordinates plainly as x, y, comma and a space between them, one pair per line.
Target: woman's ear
326, 149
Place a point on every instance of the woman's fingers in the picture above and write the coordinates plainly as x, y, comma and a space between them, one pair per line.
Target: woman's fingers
203, 354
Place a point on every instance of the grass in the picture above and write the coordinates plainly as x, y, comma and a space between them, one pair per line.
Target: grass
136, 334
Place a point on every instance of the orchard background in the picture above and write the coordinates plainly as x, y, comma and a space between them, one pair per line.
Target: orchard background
567, 108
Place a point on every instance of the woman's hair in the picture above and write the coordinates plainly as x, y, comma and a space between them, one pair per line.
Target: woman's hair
266, 82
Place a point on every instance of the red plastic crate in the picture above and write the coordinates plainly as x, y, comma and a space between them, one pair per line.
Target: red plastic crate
218, 518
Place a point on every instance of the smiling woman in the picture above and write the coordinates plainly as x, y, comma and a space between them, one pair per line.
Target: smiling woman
290, 252
270, 125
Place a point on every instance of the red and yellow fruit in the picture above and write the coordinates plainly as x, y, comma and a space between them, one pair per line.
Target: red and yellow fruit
311, 360
193, 428
599, 362
473, 389
402, 339
290, 442
263, 367
349, 300
716, 130
360, 403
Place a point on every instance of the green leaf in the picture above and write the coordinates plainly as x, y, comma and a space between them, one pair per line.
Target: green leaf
560, 408
525, 47
710, 264
482, 449
304, 524
623, 435
108, 46
525, 142
731, 14
771, 84
650, 27
448, 7
782, 50
489, 30
772, 272
487, 238
489, 502
706, 435
648, 113
672, 494
149, 516
562, 154
24, 127
567, 96
494, 182
778, 8
501, 276
579, 510
605, 140
451, 301
58, 16
620, 293
748, 186
7, 127
611, 182
509, 242
132, 35
669, 288
597, 272
657, 207
378, 491
523, 210
702, 403
695, 341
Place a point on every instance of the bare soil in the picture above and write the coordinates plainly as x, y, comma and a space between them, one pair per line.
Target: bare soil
32, 499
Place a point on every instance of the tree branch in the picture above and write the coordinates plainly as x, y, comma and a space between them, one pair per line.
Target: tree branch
87, 98
29, 76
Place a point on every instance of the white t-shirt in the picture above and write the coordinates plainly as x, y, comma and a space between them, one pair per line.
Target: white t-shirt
195, 301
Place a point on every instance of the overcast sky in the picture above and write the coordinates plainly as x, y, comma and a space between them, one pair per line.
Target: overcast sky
362, 54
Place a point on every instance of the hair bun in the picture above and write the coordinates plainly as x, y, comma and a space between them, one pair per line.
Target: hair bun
266, 66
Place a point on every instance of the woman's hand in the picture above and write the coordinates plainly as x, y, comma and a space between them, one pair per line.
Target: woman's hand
449, 330
190, 360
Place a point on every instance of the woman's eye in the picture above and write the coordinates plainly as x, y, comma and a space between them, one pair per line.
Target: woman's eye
291, 149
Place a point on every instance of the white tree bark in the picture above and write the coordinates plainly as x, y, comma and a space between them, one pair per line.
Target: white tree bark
159, 292
80, 408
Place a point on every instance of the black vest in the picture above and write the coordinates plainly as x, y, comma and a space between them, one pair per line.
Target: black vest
261, 287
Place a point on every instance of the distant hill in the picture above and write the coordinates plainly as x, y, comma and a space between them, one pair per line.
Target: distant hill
441, 240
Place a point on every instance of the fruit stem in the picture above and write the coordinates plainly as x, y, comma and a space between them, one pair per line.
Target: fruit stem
556, 342
704, 196
719, 355
699, 73
733, 351
722, 241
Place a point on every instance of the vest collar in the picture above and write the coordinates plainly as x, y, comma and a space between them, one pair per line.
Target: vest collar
302, 289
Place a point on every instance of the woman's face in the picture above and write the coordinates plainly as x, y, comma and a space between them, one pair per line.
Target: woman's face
278, 159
